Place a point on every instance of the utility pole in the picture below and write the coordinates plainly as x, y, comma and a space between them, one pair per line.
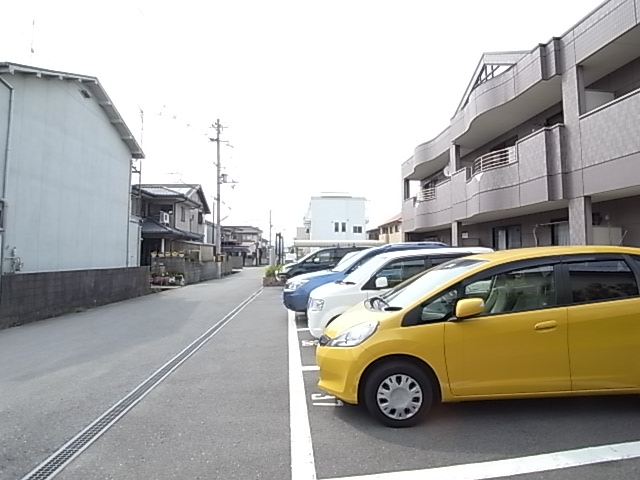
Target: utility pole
270, 227
218, 232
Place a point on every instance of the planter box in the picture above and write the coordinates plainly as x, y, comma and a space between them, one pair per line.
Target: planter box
271, 282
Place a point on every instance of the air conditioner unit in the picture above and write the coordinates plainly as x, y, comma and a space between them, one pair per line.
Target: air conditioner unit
164, 218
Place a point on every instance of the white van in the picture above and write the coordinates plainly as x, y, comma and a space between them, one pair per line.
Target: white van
376, 276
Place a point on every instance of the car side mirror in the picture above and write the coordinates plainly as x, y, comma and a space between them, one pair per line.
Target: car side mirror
382, 282
469, 307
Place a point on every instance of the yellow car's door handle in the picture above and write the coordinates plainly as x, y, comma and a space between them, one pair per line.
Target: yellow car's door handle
546, 325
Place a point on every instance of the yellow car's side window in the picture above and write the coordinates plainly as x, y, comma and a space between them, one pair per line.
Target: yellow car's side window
516, 290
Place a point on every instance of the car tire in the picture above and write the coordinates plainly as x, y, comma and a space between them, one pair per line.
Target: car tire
398, 393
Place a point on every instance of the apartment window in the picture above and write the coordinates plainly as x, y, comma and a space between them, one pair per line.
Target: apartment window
554, 120
507, 237
510, 142
336, 227
200, 218
344, 227
357, 229
560, 232
183, 214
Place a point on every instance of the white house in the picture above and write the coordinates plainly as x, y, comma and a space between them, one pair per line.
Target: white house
336, 217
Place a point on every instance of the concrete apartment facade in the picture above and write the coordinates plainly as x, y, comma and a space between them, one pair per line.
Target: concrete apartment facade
544, 147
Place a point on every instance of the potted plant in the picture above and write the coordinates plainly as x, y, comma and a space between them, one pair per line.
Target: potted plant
154, 253
174, 254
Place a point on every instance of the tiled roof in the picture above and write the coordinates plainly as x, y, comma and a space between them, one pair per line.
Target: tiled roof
394, 219
174, 190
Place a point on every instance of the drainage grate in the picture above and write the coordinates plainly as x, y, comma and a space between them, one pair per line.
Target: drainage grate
74, 447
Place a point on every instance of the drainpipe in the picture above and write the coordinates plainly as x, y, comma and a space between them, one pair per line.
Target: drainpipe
5, 175
129, 212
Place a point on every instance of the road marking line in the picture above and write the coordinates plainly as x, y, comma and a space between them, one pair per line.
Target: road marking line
303, 329
303, 465
310, 368
515, 466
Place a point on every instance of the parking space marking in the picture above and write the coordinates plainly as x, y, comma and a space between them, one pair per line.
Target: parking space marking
303, 329
303, 465
515, 466
309, 343
310, 368
323, 400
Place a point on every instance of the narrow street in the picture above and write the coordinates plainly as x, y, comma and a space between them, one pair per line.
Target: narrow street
61, 374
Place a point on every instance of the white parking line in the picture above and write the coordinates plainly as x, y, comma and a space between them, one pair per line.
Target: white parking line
515, 466
310, 368
303, 465
303, 329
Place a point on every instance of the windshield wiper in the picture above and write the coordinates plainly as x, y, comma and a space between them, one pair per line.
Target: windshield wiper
342, 282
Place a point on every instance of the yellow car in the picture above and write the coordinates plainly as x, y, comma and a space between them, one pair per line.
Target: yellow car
530, 322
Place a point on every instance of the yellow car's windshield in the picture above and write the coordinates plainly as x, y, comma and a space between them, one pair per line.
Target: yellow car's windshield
408, 292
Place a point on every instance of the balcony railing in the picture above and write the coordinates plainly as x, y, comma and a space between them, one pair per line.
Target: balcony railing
426, 194
489, 161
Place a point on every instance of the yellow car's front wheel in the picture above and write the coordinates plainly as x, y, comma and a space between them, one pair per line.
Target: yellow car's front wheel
398, 393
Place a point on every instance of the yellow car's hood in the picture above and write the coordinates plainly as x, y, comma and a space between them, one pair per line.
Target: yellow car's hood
354, 316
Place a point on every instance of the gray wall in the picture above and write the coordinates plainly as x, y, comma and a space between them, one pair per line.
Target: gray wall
69, 179
28, 297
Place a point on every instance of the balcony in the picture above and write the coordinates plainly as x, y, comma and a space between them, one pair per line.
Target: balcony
506, 181
611, 146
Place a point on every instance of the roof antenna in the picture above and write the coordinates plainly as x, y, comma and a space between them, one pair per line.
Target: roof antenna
33, 31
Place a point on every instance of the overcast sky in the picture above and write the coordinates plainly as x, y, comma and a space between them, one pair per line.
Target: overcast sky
316, 96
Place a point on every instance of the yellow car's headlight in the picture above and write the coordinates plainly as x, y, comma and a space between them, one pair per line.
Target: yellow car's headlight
355, 335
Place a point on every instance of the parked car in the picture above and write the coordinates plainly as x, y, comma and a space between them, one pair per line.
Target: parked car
296, 291
322, 259
375, 277
531, 322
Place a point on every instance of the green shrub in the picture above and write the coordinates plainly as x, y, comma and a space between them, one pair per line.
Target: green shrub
271, 270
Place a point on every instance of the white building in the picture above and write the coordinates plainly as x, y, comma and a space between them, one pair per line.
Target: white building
336, 217
66, 159
67, 236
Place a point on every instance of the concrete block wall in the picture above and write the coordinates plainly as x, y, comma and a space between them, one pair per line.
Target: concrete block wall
28, 297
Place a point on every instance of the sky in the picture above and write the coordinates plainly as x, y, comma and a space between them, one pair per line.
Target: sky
314, 97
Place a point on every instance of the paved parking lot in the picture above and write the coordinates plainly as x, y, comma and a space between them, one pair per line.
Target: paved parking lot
580, 438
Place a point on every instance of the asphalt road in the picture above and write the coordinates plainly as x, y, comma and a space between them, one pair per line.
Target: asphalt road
244, 403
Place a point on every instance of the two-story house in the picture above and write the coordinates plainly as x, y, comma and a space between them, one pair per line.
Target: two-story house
391, 230
544, 147
245, 241
66, 159
173, 217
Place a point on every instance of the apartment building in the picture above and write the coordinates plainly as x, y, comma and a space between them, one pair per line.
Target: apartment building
544, 147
